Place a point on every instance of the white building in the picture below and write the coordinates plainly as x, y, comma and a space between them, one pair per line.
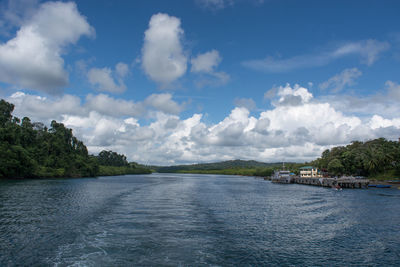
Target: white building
310, 172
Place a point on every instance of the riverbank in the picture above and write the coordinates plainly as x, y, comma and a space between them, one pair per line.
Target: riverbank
102, 171
124, 170
232, 171
386, 182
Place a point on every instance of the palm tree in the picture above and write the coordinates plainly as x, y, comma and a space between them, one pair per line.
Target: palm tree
371, 159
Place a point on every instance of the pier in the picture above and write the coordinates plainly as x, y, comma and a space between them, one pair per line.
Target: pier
344, 182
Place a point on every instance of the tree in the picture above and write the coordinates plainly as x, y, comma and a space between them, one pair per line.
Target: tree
30, 150
6, 110
335, 167
110, 158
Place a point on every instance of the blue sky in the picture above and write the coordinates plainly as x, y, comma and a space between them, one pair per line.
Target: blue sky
169, 82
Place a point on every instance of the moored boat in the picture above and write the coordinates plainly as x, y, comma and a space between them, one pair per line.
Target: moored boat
282, 176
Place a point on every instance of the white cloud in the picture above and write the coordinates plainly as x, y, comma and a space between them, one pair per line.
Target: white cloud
393, 90
212, 79
368, 51
215, 4
164, 103
384, 103
163, 59
105, 79
113, 107
288, 96
122, 69
271, 93
380, 122
15, 12
110, 106
289, 132
247, 103
32, 59
206, 64
44, 109
341, 80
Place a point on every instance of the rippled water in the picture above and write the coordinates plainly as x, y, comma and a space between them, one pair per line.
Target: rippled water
174, 219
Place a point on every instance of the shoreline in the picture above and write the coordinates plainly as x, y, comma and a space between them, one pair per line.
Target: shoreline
383, 182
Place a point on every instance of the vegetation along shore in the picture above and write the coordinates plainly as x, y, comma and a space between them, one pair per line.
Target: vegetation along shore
31, 150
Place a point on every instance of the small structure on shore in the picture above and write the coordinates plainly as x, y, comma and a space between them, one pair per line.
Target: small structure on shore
310, 172
310, 175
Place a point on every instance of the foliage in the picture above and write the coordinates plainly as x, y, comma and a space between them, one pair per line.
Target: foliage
335, 167
122, 170
29, 150
374, 158
109, 158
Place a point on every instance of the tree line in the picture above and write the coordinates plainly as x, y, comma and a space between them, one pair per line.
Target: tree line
378, 158
31, 150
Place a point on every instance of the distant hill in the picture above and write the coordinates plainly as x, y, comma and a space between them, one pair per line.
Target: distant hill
230, 164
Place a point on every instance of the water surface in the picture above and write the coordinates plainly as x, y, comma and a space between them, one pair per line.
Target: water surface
177, 219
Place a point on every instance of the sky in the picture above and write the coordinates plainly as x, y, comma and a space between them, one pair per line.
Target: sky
191, 81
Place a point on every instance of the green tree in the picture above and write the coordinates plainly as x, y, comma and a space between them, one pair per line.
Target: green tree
335, 167
6, 110
110, 158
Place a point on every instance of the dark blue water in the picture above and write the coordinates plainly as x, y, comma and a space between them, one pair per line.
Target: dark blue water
195, 220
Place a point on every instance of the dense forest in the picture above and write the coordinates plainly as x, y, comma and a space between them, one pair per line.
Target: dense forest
378, 158
112, 163
31, 150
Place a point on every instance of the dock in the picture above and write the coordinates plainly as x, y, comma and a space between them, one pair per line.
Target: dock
344, 182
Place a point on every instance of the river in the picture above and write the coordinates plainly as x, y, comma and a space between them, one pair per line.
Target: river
194, 220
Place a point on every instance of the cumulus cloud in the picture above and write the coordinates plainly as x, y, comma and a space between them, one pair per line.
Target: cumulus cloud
341, 80
384, 102
44, 109
114, 107
289, 131
380, 122
32, 59
163, 59
288, 96
206, 64
105, 79
47, 108
164, 103
368, 51
106, 105
247, 103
